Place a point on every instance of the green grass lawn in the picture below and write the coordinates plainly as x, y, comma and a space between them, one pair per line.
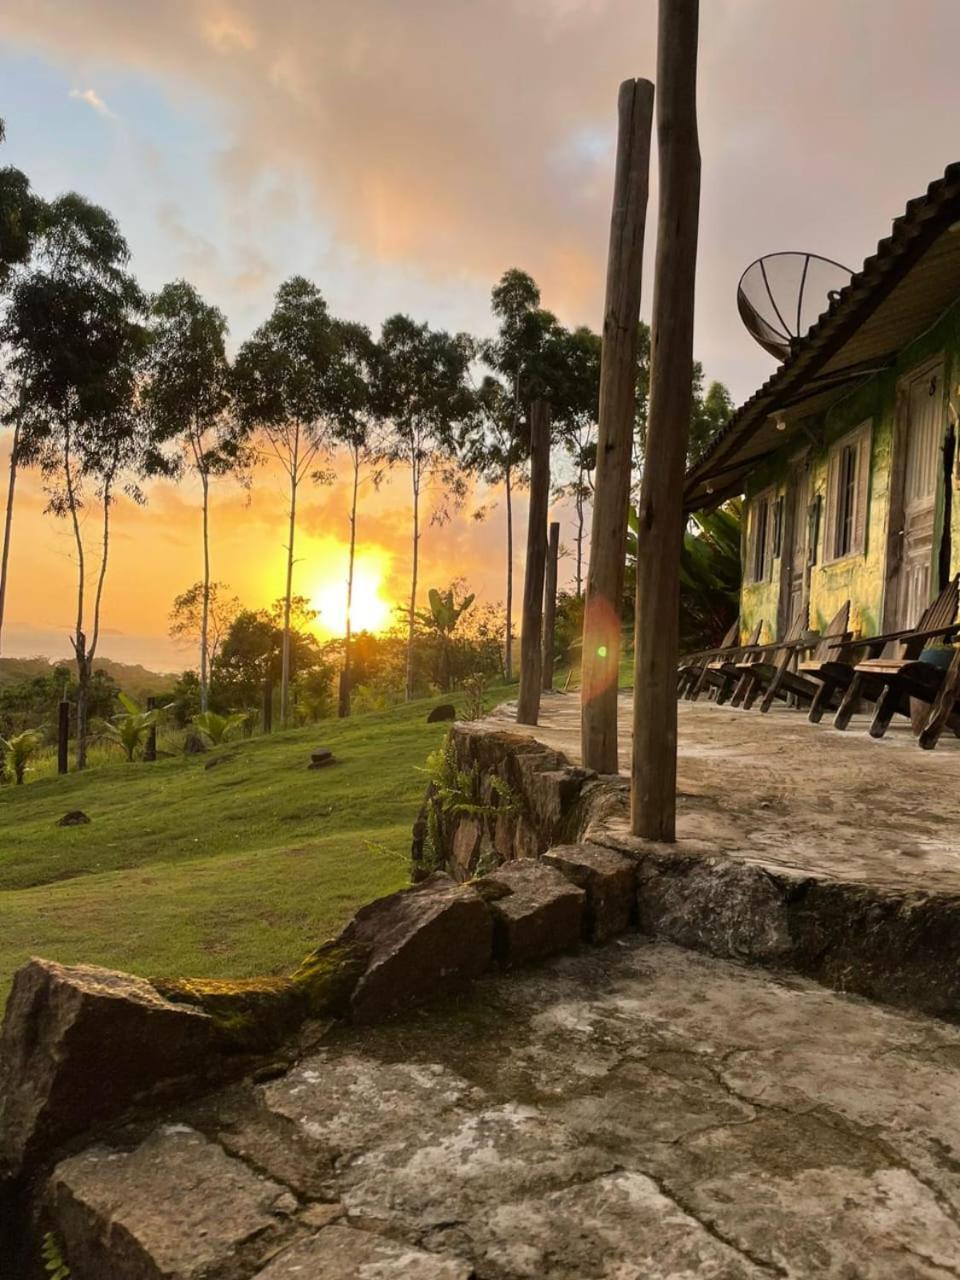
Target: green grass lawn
195, 868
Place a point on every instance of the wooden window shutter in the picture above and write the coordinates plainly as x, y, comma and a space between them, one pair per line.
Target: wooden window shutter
859, 541
830, 523
771, 504
749, 559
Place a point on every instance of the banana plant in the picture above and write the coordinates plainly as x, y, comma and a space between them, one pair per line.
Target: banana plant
709, 572
441, 619
129, 728
216, 728
18, 751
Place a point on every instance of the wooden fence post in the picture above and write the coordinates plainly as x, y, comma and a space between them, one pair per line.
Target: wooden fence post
528, 699
150, 746
618, 391
550, 604
63, 736
654, 781
268, 706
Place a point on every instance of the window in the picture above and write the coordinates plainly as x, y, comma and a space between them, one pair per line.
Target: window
848, 486
761, 536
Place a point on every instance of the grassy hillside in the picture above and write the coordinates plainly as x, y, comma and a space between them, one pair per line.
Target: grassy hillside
230, 863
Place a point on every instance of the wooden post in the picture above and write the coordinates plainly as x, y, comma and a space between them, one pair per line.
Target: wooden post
660, 534
528, 699
63, 736
150, 746
268, 706
550, 604
618, 378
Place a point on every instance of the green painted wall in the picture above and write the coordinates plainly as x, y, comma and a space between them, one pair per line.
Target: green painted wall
861, 578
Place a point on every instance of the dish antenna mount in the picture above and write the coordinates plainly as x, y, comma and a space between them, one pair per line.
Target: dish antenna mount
780, 296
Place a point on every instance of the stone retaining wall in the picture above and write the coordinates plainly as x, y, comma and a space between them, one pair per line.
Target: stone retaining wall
898, 947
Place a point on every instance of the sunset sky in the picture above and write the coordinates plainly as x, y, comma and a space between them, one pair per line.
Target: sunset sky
402, 154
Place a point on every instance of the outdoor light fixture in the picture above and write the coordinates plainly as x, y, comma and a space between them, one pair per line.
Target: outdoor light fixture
781, 424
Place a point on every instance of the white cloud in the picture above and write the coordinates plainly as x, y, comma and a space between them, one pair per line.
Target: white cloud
93, 99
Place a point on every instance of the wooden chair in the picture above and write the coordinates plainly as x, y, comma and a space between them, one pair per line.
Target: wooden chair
691, 664
758, 664
946, 706
720, 670
891, 663
801, 679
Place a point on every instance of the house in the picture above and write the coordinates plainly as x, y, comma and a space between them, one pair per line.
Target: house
847, 455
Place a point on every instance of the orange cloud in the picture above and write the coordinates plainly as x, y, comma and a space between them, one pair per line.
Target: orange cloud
425, 131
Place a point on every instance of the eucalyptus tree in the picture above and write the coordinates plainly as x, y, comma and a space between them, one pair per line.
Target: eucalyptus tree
21, 216
355, 426
426, 401
518, 355
75, 327
284, 388
187, 399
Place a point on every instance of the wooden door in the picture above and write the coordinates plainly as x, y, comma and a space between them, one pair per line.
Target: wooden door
797, 551
794, 566
920, 480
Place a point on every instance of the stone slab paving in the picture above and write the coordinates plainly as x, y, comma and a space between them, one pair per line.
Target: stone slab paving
630, 1112
778, 791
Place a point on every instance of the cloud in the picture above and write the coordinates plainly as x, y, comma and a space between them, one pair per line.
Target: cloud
461, 139
93, 99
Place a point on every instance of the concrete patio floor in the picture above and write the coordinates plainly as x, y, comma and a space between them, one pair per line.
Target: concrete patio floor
631, 1112
777, 791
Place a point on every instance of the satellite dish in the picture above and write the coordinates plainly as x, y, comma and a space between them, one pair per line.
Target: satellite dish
780, 296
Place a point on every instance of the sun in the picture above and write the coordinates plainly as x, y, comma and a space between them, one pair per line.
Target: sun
368, 612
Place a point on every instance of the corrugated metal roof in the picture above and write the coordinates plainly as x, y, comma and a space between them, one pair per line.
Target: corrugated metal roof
899, 292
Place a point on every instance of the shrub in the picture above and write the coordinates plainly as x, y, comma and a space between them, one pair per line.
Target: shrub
216, 729
18, 751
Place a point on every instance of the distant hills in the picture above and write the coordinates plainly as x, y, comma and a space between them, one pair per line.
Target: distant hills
133, 679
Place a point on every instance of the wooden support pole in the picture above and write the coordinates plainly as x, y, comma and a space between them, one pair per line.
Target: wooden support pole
618, 391
550, 604
268, 705
150, 746
63, 736
528, 699
654, 782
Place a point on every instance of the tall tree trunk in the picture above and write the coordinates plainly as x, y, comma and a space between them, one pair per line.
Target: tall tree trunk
413, 584
205, 616
531, 625
653, 791
508, 620
550, 605
79, 639
285, 652
511, 444
618, 391
580, 523
8, 521
348, 632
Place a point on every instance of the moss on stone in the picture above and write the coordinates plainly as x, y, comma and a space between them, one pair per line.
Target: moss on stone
249, 1013
327, 977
